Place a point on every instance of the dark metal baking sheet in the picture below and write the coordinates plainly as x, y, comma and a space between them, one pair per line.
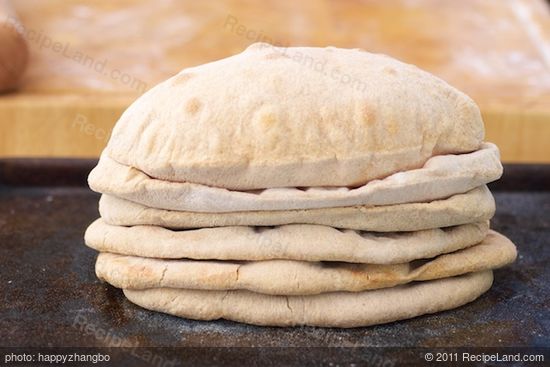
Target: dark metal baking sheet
49, 293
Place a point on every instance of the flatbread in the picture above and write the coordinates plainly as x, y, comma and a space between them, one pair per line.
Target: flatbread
269, 118
306, 242
286, 277
340, 309
440, 177
476, 205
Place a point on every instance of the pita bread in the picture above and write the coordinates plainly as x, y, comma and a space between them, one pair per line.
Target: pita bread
476, 205
440, 177
340, 309
291, 242
269, 118
286, 277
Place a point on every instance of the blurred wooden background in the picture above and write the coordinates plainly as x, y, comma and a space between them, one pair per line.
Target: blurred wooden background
90, 60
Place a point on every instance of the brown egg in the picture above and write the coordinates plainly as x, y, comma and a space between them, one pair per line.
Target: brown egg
14, 55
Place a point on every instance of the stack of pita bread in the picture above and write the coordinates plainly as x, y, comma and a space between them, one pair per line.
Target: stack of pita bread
266, 189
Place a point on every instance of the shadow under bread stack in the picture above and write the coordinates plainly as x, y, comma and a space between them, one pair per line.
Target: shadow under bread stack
258, 189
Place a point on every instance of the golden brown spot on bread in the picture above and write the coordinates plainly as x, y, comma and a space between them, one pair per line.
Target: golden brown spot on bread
391, 127
182, 78
268, 119
369, 115
193, 106
377, 275
390, 71
143, 270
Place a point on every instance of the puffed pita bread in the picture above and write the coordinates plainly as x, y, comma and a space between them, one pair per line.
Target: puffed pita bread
440, 177
476, 205
286, 277
305, 242
268, 118
340, 309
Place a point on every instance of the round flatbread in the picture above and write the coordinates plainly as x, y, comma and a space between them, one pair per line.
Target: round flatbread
476, 205
306, 242
269, 118
440, 177
285, 277
341, 309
